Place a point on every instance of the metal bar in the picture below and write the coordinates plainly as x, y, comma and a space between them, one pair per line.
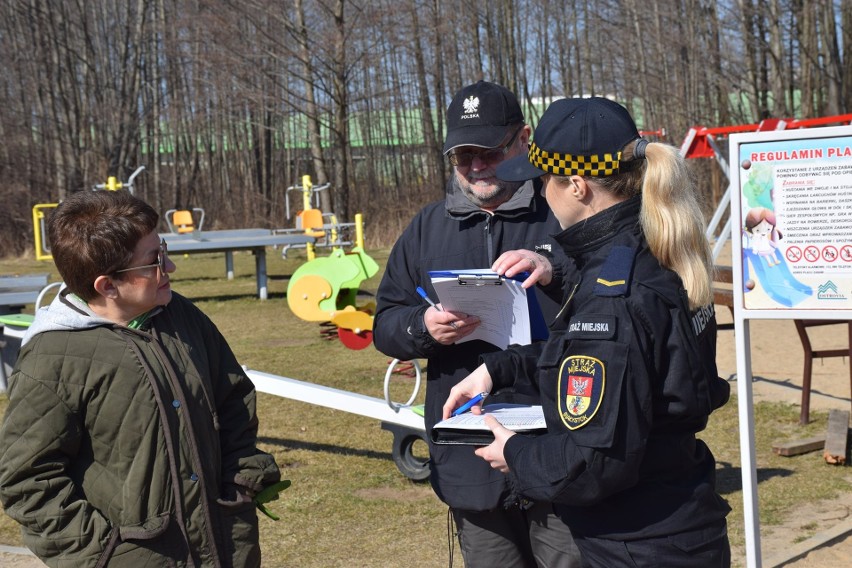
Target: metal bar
337, 399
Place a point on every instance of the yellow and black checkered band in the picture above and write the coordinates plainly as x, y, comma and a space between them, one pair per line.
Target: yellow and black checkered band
554, 163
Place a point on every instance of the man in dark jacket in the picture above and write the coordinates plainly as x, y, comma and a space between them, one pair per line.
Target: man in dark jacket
482, 223
130, 438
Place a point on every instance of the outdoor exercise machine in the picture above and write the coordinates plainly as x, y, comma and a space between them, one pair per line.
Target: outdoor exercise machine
327, 231
112, 183
182, 221
40, 212
15, 293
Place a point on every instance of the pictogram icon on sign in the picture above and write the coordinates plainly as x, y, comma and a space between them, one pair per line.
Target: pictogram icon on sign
811, 253
829, 253
846, 253
794, 254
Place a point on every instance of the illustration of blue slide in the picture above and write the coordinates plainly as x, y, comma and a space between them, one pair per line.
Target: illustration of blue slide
777, 281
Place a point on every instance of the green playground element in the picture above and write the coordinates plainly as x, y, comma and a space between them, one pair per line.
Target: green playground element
325, 285
16, 320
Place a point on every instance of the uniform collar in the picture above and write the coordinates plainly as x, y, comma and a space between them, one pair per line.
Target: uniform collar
592, 233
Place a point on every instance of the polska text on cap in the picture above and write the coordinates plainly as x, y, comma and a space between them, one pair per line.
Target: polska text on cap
481, 115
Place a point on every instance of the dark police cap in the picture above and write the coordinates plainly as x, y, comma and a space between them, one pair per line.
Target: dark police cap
480, 115
575, 137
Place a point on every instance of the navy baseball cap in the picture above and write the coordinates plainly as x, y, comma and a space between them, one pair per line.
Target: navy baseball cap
575, 137
480, 115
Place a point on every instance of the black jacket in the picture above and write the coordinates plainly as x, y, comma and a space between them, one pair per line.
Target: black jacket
447, 235
625, 387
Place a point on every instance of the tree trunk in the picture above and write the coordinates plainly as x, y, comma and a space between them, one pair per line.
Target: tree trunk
311, 111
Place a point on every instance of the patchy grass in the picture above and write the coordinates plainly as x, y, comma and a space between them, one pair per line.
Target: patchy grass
348, 504
784, 483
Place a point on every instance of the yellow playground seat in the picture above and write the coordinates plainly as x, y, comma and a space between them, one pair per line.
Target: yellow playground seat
323, 227
311, 223
184, 220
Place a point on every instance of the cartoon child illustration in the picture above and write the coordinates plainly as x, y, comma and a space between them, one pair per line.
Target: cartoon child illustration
760, 227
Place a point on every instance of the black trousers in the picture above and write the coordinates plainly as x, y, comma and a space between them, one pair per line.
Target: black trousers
707, 547
515, 537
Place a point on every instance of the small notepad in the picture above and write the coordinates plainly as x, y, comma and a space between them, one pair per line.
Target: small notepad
470, 429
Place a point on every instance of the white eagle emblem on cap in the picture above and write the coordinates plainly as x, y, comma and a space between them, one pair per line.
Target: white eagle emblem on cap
471, 104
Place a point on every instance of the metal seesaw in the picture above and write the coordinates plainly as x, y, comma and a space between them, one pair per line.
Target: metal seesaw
401, 420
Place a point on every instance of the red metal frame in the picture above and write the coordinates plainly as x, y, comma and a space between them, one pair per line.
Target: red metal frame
697, 145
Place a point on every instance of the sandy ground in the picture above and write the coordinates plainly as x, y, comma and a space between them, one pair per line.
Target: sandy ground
777, 362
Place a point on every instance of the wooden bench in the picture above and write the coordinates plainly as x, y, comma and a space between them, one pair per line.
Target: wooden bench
723, 295
723, 291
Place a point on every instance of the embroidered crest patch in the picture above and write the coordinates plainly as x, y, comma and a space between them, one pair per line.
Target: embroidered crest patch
581, 386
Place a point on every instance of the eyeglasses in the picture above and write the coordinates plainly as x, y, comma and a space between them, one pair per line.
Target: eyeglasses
162, 255
491, 156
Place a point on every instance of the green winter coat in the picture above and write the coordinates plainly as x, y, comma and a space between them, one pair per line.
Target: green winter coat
128, 448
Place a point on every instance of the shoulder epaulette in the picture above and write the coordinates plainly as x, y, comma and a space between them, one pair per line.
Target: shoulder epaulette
614, 277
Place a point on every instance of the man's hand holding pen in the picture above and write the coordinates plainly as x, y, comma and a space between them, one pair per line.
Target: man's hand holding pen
446, 327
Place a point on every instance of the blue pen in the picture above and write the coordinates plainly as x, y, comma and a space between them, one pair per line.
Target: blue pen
469, 404
423, 295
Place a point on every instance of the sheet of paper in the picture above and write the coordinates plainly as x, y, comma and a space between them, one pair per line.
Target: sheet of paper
516, 417
499, 303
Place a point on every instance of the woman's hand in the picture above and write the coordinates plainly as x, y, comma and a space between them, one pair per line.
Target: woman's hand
493, 453
479, 381
514, 262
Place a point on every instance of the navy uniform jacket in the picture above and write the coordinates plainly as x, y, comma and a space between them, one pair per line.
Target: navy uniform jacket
625, 388
447, 235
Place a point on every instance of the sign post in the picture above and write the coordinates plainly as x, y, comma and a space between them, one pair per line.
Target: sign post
791, 210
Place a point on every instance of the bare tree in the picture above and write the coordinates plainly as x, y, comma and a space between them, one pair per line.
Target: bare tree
229, 102
300, 34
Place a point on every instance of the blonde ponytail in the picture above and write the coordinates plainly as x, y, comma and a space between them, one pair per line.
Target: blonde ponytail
673, 223
670, 217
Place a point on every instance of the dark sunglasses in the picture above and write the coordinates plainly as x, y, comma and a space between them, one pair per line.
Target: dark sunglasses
162, 255
490, 156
